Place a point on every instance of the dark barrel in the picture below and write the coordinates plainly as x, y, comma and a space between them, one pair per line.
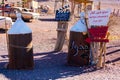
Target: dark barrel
20, 51
78, 50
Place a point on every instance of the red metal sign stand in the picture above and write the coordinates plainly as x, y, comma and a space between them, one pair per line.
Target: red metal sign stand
98, 34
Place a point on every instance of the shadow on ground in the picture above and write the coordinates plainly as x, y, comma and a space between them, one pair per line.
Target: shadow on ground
42, 0
53, 65
48, 19
2, 31
50, 65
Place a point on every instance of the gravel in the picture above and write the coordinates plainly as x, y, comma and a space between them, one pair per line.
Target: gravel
53, 65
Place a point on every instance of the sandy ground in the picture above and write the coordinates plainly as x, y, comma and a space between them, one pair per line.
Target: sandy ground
53, 66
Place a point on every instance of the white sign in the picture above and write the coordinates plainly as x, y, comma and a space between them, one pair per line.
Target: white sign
98, 17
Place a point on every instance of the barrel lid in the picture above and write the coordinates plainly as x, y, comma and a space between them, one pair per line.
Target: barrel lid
80, 25
19, 26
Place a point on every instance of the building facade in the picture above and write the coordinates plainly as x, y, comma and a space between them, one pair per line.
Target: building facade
21, 3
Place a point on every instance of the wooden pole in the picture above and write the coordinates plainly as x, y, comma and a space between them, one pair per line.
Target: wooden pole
79, 9
101, 57
108, 34
101, 51
3, 7
104, 54
62, 3
61, 34
72, 8
7, 41
99, 5
55, 5
6, 34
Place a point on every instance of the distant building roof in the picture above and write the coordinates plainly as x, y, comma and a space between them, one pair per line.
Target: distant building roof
11, 1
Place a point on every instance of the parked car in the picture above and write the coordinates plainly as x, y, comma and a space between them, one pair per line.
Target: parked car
26, 14
5, 22
28, 11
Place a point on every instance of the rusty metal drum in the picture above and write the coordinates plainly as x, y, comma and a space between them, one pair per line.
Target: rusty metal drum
79, 49
20, 51
20, 46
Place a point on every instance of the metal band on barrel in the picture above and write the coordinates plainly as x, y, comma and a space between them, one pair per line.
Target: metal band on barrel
16, 46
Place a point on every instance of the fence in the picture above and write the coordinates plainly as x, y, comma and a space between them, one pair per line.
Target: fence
116, 12
114, 6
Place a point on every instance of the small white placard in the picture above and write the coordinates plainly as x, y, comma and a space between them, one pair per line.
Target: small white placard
98, 17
